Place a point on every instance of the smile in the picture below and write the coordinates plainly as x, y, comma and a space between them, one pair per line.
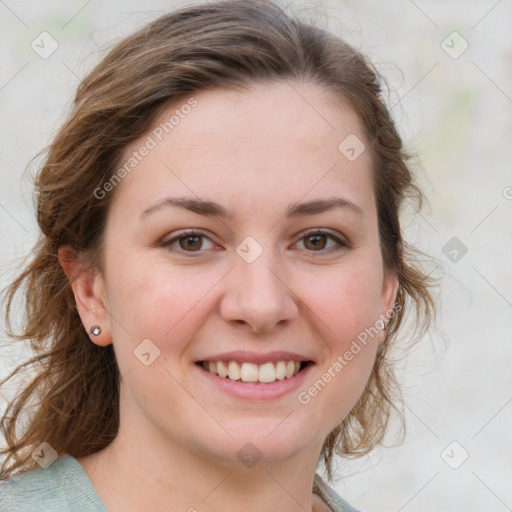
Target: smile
250, 372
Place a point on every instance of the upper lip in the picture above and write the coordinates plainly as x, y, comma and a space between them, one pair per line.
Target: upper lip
243, 356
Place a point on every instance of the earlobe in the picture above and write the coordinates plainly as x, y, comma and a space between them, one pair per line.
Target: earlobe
88, 289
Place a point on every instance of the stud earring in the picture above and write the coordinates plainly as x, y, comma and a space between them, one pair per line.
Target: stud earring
95, 330
382, 324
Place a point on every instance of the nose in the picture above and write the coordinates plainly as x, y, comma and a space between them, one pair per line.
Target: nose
258, 296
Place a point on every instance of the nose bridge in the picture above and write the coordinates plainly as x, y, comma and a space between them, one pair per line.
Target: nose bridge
257, 293
260, 280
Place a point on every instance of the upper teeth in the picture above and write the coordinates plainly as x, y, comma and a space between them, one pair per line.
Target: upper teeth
250, 372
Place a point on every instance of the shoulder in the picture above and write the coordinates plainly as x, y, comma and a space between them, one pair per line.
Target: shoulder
63, 486
334, 500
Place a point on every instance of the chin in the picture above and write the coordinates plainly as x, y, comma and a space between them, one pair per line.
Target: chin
258, 440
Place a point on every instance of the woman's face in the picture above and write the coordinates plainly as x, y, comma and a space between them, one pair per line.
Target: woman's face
255, 176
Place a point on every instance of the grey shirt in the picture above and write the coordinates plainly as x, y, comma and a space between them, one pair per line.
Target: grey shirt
65, 487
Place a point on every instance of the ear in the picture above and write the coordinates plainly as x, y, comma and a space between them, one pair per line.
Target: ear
89, 290
390, 285
389, 292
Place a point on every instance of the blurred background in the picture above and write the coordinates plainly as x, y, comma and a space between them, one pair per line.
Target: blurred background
448, 65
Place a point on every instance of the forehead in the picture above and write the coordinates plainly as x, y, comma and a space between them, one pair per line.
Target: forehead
277, 142
285, 116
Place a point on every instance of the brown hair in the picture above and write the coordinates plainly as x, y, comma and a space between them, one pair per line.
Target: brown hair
228, 44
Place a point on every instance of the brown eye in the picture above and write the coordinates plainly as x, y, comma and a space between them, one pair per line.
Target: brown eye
317, 241
188, 243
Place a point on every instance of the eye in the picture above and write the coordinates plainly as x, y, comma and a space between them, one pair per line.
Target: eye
189, 241
193, 241
316, 241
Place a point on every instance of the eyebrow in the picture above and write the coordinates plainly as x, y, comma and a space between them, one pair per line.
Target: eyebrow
212, 209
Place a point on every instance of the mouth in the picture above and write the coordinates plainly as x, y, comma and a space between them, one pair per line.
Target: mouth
265, 373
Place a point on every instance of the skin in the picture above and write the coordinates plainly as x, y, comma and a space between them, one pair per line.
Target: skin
254, 152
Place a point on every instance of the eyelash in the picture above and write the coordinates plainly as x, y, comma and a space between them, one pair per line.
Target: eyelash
341, 244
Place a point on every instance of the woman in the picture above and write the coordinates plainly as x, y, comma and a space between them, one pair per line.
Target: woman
221, 275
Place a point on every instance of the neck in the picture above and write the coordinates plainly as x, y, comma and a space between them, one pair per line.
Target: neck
133, 475
145, 468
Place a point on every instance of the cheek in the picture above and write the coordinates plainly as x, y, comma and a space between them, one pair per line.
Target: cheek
151, 301
349, 358
346, 378
151, 298
348, 301
348, 305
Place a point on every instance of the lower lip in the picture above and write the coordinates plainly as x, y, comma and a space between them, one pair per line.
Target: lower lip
254, 390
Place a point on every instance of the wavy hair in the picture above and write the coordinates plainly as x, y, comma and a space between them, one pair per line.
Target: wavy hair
72, 399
